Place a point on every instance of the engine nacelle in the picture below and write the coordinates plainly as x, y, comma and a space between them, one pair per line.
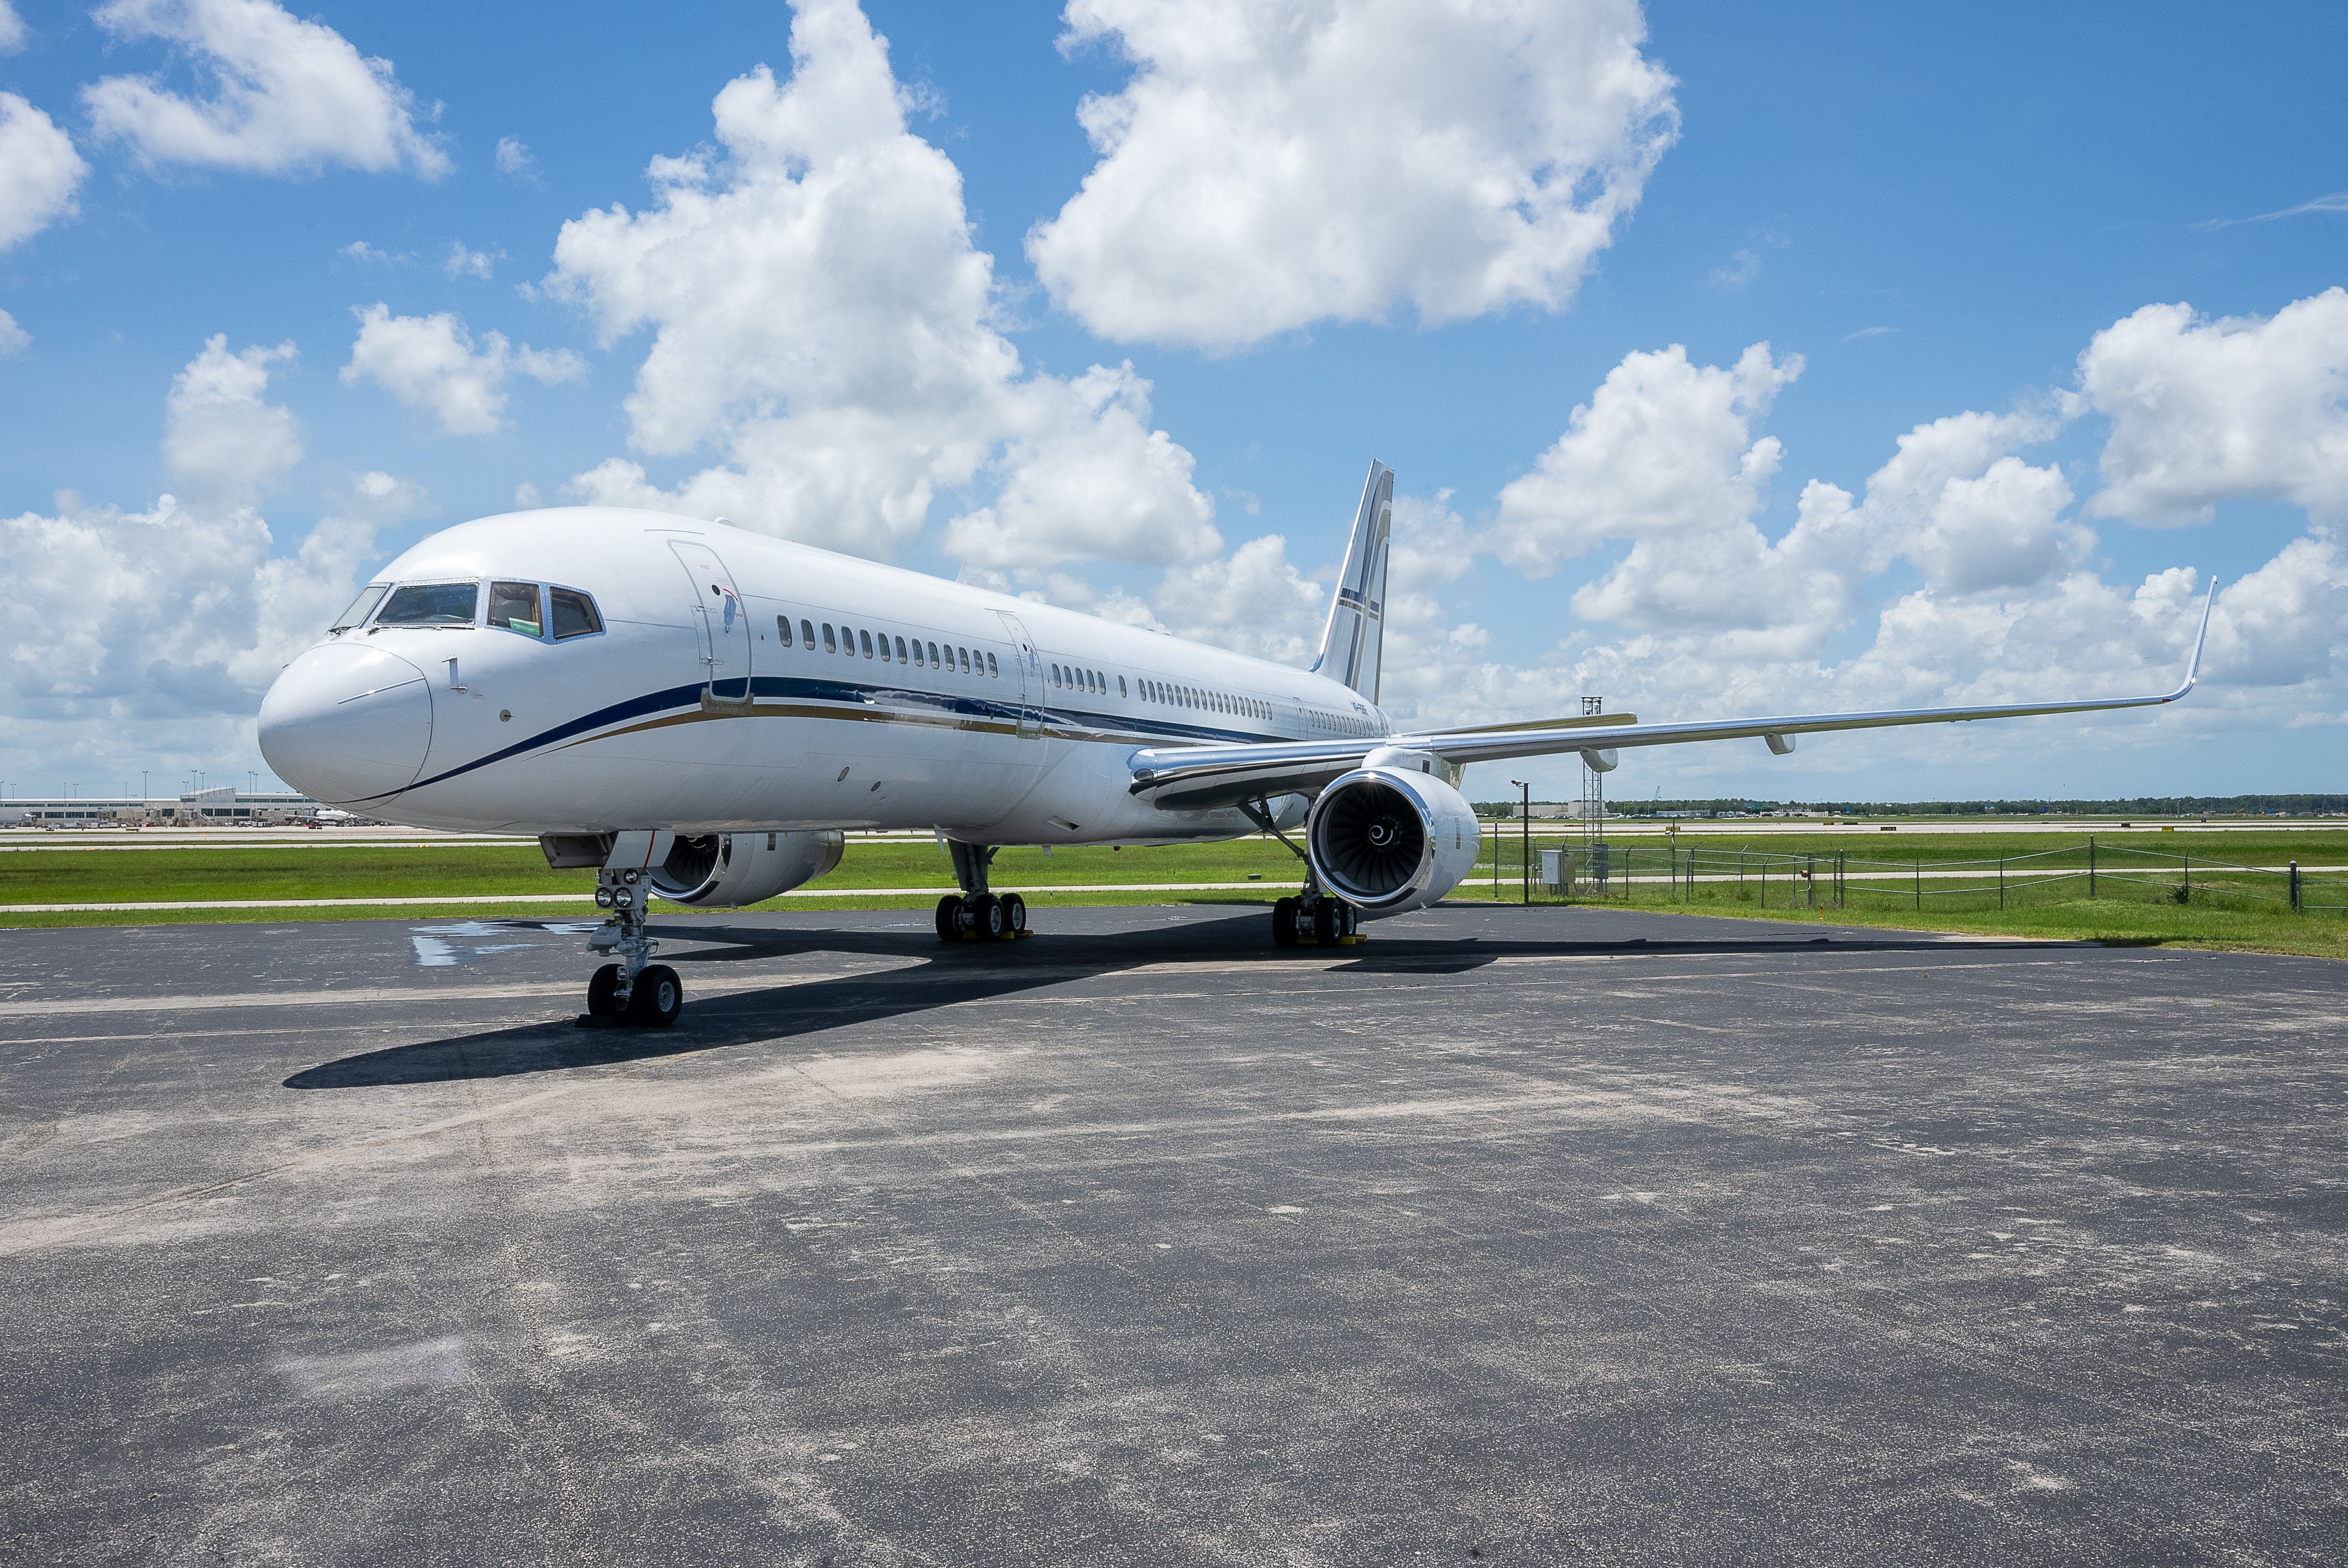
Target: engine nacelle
1390, 841
727, 870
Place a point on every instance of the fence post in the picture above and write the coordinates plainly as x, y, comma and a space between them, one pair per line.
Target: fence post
1764, 885
2091, 867
1810, 875
1920, 882
1626, 875
2001, 881
2294, 886
2188, 880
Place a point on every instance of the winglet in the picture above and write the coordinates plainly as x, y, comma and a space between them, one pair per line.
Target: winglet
2193, 671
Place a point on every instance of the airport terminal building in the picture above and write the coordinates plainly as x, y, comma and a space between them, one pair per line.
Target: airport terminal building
224, 805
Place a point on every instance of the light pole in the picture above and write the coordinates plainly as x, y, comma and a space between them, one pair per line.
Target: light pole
1525, 825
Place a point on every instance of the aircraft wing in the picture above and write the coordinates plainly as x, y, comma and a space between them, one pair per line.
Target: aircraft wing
1195, 778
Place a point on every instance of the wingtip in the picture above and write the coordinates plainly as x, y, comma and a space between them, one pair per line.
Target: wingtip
2200, 639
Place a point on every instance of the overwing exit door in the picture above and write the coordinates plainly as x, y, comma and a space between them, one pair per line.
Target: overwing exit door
723, 625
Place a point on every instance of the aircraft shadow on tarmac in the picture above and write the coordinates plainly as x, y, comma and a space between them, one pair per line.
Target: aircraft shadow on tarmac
949, 976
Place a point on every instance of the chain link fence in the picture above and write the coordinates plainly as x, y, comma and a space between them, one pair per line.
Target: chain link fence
1512, 866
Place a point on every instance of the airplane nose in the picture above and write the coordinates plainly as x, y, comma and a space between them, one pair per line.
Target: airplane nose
347, 723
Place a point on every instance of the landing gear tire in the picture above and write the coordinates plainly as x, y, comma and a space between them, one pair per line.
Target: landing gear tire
986, 921
1014, 916
604, 992
657, 997
1283, 923
949, 917
1325, 921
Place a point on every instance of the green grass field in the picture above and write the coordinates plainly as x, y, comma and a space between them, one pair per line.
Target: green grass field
2138, 902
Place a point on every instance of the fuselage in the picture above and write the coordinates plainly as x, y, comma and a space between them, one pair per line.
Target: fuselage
624, 670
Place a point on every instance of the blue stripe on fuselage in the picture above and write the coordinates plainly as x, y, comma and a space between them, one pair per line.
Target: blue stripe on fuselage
866, 693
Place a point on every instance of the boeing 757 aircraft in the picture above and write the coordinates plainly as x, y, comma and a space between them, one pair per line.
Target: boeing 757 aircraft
701, 712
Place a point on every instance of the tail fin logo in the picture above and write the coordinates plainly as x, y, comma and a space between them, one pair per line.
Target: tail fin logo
1350, 641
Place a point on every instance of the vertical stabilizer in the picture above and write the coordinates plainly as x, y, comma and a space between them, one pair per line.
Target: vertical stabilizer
1350, 643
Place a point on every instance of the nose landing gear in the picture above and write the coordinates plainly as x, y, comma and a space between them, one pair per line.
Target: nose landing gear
632, 990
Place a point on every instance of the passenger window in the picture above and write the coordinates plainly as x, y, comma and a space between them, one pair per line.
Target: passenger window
828, 646
1120, 686
370, 597
901, 651
431, 604
963, 654
783, 628
884, 648
934, 655
864, 640
574, 613
992, 668
806, 634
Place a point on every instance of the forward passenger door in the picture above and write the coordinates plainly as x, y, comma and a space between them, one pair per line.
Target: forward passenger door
723, 626
1031, 677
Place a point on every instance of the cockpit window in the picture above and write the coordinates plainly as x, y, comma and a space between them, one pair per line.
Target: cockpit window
574, 613
514, 605
430, 604
370, 597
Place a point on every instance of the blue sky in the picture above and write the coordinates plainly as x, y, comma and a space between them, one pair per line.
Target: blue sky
1938, 212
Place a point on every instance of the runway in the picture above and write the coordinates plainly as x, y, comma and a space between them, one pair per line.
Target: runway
1511, 1236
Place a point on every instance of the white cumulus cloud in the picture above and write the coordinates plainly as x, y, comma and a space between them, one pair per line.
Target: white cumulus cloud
2206, 410
431, 363
12, 29
182, 612
1272, 163
515, 160
287, 96
14, 338
225, 444
466, 263
818, 313
39, 171
1959, 572
1664, 456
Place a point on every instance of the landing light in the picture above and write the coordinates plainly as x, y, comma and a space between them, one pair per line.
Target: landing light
603, 897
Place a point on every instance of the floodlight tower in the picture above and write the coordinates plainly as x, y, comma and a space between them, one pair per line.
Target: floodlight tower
1593, 804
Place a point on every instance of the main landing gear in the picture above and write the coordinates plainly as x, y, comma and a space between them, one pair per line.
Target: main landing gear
1311, 919
1315, 920
975, 915
631, 991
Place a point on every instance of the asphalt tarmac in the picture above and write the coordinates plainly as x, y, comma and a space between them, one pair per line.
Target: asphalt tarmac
1511, 1236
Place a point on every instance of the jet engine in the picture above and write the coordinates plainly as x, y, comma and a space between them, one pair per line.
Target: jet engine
1389, 841
727, 870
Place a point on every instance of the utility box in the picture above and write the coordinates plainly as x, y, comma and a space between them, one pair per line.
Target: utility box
1557, 872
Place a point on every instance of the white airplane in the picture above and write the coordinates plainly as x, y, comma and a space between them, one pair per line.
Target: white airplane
700, 711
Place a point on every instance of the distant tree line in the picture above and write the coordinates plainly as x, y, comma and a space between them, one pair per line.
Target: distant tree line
2144, 806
